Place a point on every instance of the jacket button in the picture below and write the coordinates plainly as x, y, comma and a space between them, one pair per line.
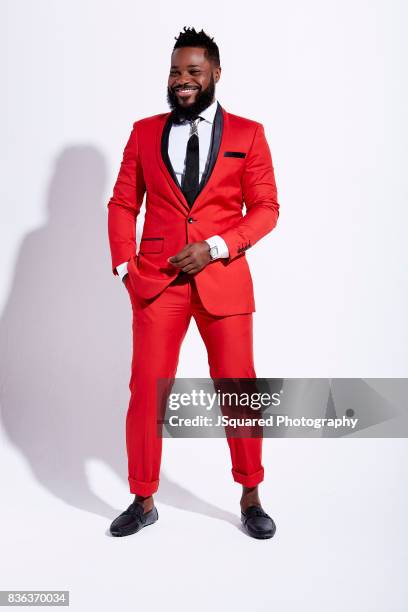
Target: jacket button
190, 219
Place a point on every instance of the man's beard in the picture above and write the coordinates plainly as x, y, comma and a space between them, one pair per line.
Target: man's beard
203, 99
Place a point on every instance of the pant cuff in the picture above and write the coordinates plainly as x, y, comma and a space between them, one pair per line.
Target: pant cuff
248, 480
145, 489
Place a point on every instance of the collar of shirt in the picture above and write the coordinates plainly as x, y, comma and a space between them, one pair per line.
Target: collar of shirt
209, 113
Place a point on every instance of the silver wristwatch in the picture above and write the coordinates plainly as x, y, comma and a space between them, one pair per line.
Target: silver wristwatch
214, 252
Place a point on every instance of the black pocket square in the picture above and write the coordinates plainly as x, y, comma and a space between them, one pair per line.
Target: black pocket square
234, 154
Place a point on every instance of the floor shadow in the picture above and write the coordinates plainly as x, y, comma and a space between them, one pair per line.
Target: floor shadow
65, 338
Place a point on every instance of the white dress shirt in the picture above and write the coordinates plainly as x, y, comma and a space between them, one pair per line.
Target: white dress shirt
178, 138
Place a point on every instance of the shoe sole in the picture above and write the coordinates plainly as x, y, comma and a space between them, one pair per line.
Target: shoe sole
132, 531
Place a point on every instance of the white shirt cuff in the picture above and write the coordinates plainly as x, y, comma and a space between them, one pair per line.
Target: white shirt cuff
122, 270
217, 241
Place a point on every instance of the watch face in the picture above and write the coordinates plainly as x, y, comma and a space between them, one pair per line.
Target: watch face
214, 252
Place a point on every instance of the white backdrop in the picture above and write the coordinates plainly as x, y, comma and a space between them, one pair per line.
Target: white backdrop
328, 81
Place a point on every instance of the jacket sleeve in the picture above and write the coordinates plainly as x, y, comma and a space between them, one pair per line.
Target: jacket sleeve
124, 205
260, 196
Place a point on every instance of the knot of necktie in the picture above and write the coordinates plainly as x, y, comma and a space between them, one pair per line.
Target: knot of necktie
194, 125
181, 120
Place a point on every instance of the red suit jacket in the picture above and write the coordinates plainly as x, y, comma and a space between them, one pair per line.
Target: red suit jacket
239, 169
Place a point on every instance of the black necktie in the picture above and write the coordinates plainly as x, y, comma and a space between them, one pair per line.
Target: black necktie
190, 182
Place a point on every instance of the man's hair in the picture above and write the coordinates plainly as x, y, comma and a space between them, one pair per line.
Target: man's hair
190, 38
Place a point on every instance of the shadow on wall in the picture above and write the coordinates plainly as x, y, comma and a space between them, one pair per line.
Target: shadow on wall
65, 338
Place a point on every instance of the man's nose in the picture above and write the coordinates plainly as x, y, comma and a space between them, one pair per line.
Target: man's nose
183, 79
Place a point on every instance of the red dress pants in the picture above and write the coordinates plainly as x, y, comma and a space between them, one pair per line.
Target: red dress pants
159, 326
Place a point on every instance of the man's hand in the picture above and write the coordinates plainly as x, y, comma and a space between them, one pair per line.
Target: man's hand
193, 258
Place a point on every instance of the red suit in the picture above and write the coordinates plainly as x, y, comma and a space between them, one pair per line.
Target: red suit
220, 297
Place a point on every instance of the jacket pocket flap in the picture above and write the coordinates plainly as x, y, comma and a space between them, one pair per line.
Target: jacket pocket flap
234, 154
151, 245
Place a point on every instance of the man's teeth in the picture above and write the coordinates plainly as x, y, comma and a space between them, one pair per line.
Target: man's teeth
185, 89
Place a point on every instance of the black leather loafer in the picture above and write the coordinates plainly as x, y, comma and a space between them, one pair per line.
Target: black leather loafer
133, 519
257, 523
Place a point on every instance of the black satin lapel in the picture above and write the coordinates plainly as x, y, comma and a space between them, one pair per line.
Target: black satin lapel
165, 148
216, 135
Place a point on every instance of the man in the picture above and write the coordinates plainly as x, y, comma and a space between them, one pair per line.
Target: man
197, 165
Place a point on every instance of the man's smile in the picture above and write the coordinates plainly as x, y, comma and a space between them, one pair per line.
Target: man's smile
185, 91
